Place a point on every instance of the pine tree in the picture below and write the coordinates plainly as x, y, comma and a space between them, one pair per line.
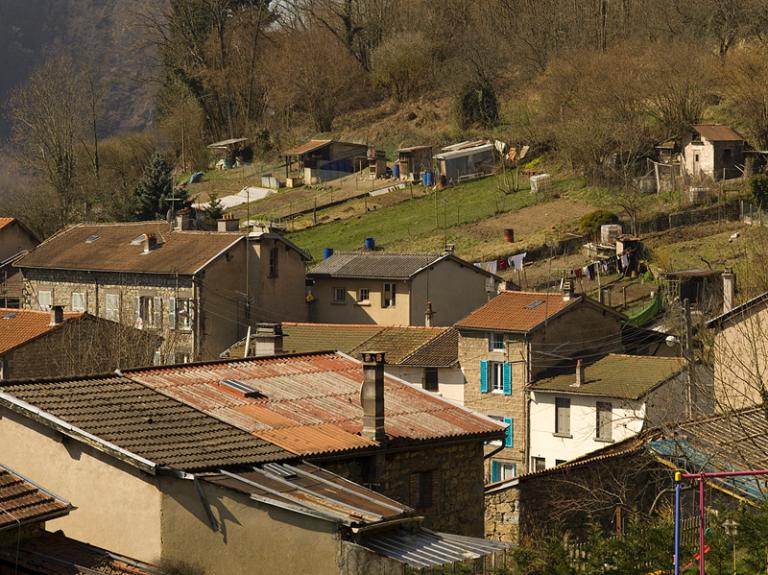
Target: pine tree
154, 188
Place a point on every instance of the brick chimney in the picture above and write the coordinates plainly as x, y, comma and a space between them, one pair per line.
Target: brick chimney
372, 395
57, 315
268, 339
579, 373
729, 289
228, 223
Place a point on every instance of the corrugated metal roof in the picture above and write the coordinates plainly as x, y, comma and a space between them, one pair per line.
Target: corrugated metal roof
310, 404
307, 147
114, 249
142, 422
517, 311
47, 553
718, 133
615, 375
23, 503
423, 548
19, 326
229, 142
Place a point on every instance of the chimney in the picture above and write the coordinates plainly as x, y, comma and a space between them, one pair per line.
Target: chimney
268, 339
57, 315
579, 373
568, 290
228, 223
150, 242
372, 395
729, 289
184, 220
428, 313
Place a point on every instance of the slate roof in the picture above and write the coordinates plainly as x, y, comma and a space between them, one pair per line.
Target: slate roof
517, 311
127, 419
112, 250
310, 404
616, 375
23, 503
54, 554
378, 265
19, 326
718, 133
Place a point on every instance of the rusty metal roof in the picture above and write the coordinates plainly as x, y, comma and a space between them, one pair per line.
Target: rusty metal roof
119, 248
22, 502
307, 147
19, 326
516, 311
136, 423
310, 404
47, 553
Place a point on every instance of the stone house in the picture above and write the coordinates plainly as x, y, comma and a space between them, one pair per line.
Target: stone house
16, 239
56, 344
424, 356
199, 290
184, 486
397, 289
512, 341
712, 151
601, 402
740, 354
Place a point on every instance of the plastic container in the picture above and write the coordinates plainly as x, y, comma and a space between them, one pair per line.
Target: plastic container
370, 244
427, 178
396, 171
327, 252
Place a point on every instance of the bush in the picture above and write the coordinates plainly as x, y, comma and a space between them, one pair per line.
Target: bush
759, 187
477, 104
590, 223
403, 64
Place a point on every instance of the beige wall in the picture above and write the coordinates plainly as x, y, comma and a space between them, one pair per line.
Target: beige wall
252, 538
281, 298
741, 362
323, 309
118, 507
450, 380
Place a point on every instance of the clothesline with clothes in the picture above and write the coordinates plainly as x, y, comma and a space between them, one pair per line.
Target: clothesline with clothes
515, 262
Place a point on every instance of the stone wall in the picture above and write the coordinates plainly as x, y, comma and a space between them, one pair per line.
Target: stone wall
457, 482
502, 515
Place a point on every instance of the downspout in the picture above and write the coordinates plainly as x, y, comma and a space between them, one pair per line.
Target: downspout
198, 317
527, 400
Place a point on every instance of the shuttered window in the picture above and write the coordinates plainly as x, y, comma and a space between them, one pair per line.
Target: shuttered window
509, 439
483, 376
603, 425
562, 416
507, 379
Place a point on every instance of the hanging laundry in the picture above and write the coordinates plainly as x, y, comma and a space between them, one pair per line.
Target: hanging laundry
625, 260
579, 273
517, 261
502, 264
493, 266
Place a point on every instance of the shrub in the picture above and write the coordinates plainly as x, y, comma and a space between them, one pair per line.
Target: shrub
759, 186
477, 104
590, 223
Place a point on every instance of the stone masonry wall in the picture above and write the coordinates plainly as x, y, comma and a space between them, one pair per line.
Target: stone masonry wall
502, 515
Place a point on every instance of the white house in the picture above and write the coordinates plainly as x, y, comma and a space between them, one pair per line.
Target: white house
612, 399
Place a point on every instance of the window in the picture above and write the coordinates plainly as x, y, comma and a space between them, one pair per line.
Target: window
273, 253
363, 295
538, 464
502, 470
563, 416
388, 295
604, 419
78, 301
339, 295
495, 376
112, 306
559, 462
183, 313
181, 357
727, 156
496, 342
149, 311
45, 300
430, 379
422, 484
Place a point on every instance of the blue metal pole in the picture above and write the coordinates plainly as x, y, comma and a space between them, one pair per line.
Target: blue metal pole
678, 478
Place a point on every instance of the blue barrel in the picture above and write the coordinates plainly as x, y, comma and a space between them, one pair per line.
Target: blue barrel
396, 171
370, 244
426, 178
327, 252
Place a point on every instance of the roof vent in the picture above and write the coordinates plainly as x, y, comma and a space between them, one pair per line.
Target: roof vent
242, 388
92, 238
534, 304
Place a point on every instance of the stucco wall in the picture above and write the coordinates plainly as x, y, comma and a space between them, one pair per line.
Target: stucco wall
280, 298
252, 537
325, 311
450, 380
118, 507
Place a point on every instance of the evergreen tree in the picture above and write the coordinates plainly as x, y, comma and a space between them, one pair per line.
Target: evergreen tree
213, 210
154, 189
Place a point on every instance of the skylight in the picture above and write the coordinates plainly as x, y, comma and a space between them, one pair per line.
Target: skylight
91, 239
240, 387
10, 315
138, 240
534, 304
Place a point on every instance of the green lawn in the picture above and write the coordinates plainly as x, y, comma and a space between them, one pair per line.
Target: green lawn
421, 220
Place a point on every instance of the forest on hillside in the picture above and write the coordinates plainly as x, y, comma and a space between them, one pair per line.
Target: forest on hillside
593, 82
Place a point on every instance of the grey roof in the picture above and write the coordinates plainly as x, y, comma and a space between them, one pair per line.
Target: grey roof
740, 311
381, 265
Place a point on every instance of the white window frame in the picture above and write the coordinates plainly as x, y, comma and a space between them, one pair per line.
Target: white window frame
389, 295
150, 311
364, 296
499, 419
339, 291
183, 313
496, 376
112, 312
49, 296
492, 341
83, 304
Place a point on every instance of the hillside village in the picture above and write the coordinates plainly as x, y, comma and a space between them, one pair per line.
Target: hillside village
307, 339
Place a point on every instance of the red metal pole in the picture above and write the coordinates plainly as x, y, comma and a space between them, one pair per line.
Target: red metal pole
702, 526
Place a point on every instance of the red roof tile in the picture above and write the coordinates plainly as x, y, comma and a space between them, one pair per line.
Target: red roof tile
516, 311
5, 221
22, 502
18, 326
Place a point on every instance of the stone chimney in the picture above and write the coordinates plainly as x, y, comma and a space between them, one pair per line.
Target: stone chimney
428, 313
729, 289
184, 220
150, 242
372, 395
579, 373
228, 223
268, 339
57, 315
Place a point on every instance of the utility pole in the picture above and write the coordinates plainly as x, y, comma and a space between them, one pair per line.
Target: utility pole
689, 356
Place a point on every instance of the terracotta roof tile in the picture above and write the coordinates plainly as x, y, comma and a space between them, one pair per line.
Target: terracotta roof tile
399, 343
18, 326
516, 311
22, 502
309, 337
441, 351
109, 247
6, 221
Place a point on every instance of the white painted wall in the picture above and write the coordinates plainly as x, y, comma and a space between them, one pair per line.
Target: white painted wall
450, 380
628, 419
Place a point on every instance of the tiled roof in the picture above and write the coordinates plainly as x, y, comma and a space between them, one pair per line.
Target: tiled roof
310, 337
441, 351
54, 554
378, 265
125, 415
718, 133
109, 247
516, 311
402, 343
5, 221
22, 502
310, 404
18, 326
306, 147
616, 375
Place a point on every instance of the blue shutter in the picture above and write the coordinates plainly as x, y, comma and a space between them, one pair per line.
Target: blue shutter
507, 379
483, 376
495, 471
509, 441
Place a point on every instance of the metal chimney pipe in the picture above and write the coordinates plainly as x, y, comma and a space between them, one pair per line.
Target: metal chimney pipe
57, 315
372, 395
